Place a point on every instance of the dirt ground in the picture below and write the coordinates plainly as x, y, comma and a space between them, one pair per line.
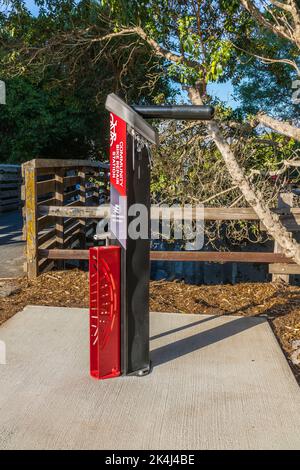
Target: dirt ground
279, 303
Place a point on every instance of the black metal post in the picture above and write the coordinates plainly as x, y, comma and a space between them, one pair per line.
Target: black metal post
130, 185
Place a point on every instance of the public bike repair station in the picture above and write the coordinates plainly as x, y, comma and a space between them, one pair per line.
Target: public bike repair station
120, 272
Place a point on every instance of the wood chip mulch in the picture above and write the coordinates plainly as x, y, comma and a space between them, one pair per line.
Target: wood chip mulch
279, 303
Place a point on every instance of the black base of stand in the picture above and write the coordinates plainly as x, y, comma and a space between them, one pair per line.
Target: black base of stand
141, 372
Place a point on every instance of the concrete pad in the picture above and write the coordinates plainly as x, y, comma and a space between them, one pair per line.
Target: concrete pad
217, 383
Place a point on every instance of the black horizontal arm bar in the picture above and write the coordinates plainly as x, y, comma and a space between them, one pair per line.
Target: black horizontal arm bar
180, 112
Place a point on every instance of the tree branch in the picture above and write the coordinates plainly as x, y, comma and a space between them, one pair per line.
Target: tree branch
279, 126
270, 220
275, 28
158, 49
268, 60
162, 52
282, 6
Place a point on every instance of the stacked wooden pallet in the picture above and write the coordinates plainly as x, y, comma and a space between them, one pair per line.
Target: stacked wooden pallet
10, 187
61, 184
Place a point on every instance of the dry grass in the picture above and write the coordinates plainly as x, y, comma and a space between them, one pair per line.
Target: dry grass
57, 288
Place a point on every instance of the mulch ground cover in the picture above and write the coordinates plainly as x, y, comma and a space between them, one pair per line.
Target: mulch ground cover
280, 304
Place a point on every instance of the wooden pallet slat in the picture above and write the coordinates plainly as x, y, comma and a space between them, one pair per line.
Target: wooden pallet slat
44, 237
9, 193
45, 222
10, 187
70, 181
45, 187
9, 201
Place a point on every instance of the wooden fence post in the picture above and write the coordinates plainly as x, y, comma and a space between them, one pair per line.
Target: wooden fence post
30, 175
106, 184
285, 203
82, 199
59, 225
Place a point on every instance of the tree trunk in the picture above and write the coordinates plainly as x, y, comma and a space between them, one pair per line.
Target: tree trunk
270, 220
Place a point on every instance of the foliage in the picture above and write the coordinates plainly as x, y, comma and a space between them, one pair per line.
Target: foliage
44, 122
261, 84
56, 108
74, 53
189, 170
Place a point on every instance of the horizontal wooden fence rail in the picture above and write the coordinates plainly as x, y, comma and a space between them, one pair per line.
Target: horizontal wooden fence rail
211, 256
209, 213
10, 187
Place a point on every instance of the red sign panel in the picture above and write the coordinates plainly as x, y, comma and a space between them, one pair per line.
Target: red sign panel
118, 153
105, 312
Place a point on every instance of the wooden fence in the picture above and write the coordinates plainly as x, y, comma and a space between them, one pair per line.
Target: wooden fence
58, 184
63, 204
291, 221
10, 187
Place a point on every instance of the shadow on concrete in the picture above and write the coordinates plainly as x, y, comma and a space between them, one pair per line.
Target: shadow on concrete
184, 327
200, 340
11, 245
11, 224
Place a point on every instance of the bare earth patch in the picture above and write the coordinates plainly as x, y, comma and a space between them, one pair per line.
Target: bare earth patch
279, 303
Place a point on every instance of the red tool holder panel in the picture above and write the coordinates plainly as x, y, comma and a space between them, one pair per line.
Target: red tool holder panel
105, 312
